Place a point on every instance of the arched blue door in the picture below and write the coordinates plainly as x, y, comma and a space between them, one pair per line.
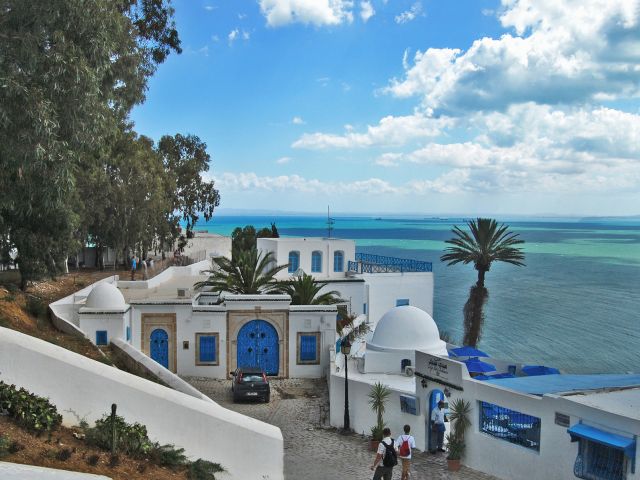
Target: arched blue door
258, 346
432, 404
159, 346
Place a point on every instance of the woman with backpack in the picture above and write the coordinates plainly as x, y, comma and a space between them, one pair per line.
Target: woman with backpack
387, 453
404, 444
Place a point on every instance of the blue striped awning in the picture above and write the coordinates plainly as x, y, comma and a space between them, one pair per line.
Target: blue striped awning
580, 430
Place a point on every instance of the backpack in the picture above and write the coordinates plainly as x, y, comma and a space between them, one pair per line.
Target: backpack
390, 458
405, 449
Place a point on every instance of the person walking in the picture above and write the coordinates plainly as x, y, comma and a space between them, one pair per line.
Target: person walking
386, 457
134, 265
438, 418
404, 444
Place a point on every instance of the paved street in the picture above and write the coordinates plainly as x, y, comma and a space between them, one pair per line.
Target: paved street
313, 451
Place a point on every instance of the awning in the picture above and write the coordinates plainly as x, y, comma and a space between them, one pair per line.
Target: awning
580, 430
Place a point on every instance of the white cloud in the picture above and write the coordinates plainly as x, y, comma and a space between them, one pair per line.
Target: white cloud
246, 35
572, 51
314, 12
210, 8
389, 131
242, 16
366, 10
298, 121
389, 159
323, 81
409, 15
283, 160
215, 38
233, 34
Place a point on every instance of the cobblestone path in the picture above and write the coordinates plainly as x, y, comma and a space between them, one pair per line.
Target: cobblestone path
299, 407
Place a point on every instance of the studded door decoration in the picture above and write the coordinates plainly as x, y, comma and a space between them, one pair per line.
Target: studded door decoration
159, 346
258, 346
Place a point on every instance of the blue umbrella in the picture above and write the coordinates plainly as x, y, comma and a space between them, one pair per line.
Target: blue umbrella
477, 366
467, 352
534, 370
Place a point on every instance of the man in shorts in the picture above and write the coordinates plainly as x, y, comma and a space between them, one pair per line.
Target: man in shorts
382, 472
404, 444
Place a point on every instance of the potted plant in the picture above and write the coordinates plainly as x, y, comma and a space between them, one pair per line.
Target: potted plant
378, 396
459, 411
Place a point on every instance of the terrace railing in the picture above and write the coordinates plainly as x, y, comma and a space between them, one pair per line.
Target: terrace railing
369, 263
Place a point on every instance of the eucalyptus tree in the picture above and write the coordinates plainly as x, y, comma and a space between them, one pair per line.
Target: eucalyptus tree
248, 272
70, 71
485, 242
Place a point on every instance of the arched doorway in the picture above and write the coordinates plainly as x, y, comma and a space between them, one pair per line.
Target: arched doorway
159, 347
434, 397
258, 346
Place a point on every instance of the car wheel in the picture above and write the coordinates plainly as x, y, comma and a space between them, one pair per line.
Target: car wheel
267, 398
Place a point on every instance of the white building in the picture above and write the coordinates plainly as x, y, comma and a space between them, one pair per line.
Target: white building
522, 427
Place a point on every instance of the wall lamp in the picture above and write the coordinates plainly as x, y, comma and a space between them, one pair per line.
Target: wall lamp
423, 382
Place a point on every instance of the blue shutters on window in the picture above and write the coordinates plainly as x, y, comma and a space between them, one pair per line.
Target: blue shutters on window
294, 261
338, 261
101, 337
207, 348
308, 348
364, 308
402, 301
128, 333
316, 261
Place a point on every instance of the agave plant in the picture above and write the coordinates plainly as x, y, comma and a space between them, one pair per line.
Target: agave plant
305, 290
248, 272
378, 396
459, 411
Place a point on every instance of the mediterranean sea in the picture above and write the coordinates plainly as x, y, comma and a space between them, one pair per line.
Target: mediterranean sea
574, 306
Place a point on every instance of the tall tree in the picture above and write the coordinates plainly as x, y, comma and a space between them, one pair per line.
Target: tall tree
185, 158
305, 290
485, 243
70, 71
249, 272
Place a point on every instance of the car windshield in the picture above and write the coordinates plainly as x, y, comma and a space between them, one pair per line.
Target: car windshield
252, 377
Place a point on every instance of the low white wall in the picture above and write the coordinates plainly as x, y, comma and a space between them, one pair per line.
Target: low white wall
386, 288
66, 309
82, 388
165, 276
14, 471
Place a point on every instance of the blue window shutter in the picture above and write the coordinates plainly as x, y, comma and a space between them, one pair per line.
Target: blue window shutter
101, 337
316, 261
308, 348
402, 301
338, 261
207, 348
364, 308
294, 261
128, 333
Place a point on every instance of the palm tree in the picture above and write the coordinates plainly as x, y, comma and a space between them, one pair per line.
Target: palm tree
486, 243
248, 272
305, 290
378, 396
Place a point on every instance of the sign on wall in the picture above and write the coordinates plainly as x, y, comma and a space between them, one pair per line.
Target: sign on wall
438, 369
409, 404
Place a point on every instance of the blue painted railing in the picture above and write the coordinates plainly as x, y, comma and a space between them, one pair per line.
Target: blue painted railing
369, 263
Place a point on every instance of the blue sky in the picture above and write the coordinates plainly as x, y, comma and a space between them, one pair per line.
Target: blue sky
475, 106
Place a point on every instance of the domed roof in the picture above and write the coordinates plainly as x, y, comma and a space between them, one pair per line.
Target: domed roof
407, 328
106, 296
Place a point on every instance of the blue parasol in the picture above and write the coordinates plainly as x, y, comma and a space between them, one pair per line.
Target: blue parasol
535, 370
477, 366
467, 352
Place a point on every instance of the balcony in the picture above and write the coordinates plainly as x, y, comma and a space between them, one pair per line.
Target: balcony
368, 263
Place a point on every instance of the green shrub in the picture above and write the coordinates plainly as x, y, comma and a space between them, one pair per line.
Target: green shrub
63, 455
34, 413
93, 460
167, 455
5, 442
131, 438
9, 297
204, 470
15, 447
36, 307
114, 460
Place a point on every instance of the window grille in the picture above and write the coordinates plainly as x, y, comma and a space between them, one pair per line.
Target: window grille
509, 425
316, 261
308, 351
294, 261
338, 261
596, 461
206, 349
101, 337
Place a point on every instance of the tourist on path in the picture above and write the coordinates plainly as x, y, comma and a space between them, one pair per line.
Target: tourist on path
386, 457
404, 444
133, 268
437, 426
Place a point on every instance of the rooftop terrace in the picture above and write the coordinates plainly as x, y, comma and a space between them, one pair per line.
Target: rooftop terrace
369, 263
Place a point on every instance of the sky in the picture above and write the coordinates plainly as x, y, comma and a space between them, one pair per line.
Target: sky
420, 106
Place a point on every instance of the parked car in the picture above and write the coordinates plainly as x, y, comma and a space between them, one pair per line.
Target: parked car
249, 383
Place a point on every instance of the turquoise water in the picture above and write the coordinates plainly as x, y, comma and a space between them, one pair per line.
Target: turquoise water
575, 306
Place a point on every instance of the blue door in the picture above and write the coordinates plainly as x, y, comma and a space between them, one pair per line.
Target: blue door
432, 404
258, 346
160, 347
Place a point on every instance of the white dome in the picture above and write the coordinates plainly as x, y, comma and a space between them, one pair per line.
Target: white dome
106, 296
407, 328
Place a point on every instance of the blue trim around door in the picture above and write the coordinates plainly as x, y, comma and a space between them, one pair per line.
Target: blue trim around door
434, 397
159, 347
258, 346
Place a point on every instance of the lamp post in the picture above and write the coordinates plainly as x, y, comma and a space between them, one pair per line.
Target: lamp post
345, 348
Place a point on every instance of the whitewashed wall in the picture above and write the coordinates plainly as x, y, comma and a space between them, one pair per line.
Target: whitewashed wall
351, 290
386, 288
114, 324
82, 388
282, 246
207, 319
